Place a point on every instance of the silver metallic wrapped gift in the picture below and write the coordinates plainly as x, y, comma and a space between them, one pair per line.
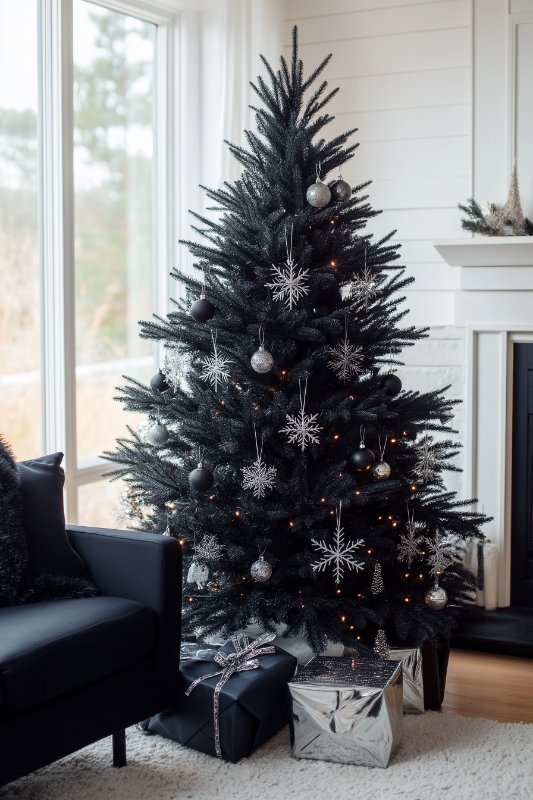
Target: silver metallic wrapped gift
347, 710
413, 683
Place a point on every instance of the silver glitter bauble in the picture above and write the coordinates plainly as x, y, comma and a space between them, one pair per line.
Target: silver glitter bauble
318, 195
261, 570
436, 598
262, 360
156, 434
381, 470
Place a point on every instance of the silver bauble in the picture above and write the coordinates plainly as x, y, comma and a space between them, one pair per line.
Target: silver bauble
156, 434
318, 195
436, 598
261, 570
381, 470
262, 360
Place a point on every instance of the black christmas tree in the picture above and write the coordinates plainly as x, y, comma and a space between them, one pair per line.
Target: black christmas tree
304, 486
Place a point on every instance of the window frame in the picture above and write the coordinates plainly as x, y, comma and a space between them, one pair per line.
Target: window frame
56, 214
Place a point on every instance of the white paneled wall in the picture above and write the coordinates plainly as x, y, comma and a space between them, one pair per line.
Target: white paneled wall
404, 69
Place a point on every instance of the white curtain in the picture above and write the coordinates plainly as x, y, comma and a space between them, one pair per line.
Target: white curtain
235, 33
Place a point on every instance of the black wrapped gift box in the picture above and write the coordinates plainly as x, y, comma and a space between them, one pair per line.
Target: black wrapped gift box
254, 705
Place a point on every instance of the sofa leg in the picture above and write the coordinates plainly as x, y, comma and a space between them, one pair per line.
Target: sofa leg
119, 748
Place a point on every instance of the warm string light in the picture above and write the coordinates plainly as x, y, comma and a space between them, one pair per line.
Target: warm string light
181, 541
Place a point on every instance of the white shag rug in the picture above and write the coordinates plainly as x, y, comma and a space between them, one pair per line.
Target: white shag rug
441, 756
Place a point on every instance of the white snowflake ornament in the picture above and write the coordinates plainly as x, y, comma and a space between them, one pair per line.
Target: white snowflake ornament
346, 359
258, 476
339, 554
215, 368
364, 287
302, 428
289, 282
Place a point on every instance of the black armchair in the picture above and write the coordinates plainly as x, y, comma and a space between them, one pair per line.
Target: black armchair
74, 671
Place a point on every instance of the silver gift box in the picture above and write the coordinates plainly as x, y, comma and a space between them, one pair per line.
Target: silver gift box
413, 683
347, 710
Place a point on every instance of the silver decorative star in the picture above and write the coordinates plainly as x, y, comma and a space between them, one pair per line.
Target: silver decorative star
441, 553
339, 554
215, 367
364, 287
346, 359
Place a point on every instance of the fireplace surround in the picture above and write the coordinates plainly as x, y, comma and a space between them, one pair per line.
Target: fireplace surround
494, 305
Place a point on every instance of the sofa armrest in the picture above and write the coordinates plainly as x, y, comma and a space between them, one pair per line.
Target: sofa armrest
145, 567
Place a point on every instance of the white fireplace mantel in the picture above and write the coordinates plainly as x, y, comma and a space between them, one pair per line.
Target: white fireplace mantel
495, 306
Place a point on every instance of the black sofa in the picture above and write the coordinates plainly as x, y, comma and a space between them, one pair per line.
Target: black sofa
73, 671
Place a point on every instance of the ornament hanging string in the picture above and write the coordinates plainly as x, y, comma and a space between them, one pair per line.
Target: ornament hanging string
289, 247
382, 447
362, 435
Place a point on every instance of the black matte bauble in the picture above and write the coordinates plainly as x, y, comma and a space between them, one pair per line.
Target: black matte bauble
158, 382
202, 310
200, 479
341, 191
392, 384
362, 459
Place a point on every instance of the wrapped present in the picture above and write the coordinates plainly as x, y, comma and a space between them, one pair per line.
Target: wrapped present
347, 710
413, 681
233, 698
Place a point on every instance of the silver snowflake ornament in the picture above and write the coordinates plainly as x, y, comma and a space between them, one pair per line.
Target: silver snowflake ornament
259, 477
302, 428
215, 368
364, 287
208, 548
409, 543
289, 283
427, 463
339, 554
346, 359
441, 553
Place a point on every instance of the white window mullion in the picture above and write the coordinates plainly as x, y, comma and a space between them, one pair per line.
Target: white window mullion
57, 236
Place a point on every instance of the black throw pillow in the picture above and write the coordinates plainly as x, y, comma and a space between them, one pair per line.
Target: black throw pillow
12, 542
54, 569
41, 485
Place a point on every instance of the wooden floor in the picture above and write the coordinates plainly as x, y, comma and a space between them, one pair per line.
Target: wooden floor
490, 686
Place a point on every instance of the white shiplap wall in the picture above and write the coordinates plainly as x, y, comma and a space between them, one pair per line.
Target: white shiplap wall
404, 69
404, 72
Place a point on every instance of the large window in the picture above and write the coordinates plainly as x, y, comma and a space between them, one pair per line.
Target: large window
20, 384
84, 164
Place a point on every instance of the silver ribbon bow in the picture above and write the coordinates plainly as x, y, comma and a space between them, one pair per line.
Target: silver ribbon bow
244, 658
